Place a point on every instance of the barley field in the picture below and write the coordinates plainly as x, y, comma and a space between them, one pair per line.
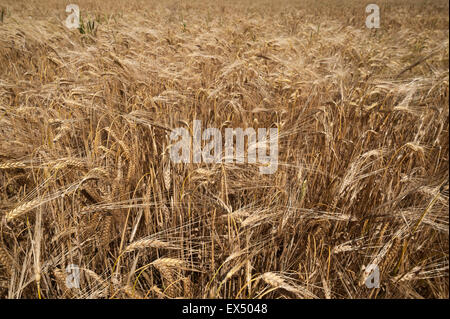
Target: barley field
87, 183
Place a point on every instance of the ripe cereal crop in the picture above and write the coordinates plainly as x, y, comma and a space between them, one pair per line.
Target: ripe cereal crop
87, 177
